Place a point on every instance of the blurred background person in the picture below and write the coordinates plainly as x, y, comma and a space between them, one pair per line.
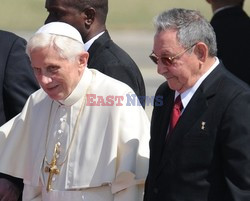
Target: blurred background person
89, 18
232, 27
17, 82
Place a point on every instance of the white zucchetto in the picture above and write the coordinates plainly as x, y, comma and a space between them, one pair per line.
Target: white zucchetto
62, 29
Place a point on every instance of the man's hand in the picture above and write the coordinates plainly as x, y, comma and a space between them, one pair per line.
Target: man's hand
8, 191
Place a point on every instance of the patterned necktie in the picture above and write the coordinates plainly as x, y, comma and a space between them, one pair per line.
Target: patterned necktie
176, 113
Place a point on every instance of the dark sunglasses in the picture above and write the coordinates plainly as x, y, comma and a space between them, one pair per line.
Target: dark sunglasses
168, 60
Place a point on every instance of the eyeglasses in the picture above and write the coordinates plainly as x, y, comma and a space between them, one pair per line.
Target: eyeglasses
168, 60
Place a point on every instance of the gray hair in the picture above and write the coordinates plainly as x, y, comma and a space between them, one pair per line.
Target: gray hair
191, 28
66, 47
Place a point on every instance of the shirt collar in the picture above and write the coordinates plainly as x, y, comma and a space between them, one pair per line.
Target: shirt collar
223, 8
91, 41
188, 94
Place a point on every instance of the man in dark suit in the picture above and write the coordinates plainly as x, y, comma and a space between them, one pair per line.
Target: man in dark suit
232, 28
89, 18
17, 82
205, 156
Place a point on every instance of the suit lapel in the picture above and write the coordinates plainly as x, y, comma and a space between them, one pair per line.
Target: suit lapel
97, 46
168, 103
159, 123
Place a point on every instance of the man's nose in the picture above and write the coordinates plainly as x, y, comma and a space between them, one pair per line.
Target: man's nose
161, 68
45, 79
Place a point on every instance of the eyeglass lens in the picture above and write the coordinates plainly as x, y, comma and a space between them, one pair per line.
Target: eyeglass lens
164, 60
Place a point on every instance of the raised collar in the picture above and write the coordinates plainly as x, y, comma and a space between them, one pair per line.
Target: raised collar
80, 90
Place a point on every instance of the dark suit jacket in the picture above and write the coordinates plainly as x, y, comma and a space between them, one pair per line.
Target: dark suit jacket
232, 28
210, 163
110, 59
17, 80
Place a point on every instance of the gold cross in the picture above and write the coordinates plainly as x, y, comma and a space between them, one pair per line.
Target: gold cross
52, 168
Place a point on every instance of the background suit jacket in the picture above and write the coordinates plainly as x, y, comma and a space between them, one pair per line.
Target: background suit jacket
210, 163
17, 80
110, 59
232, 28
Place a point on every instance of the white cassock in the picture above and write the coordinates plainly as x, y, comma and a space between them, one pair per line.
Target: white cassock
103, 150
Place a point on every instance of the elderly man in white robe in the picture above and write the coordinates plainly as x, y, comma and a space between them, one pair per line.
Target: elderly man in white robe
77, 138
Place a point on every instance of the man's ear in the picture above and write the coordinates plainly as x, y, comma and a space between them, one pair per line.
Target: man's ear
201, 51
90, 15
83, 59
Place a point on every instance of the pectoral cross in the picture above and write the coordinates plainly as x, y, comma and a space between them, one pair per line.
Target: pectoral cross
52, 168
